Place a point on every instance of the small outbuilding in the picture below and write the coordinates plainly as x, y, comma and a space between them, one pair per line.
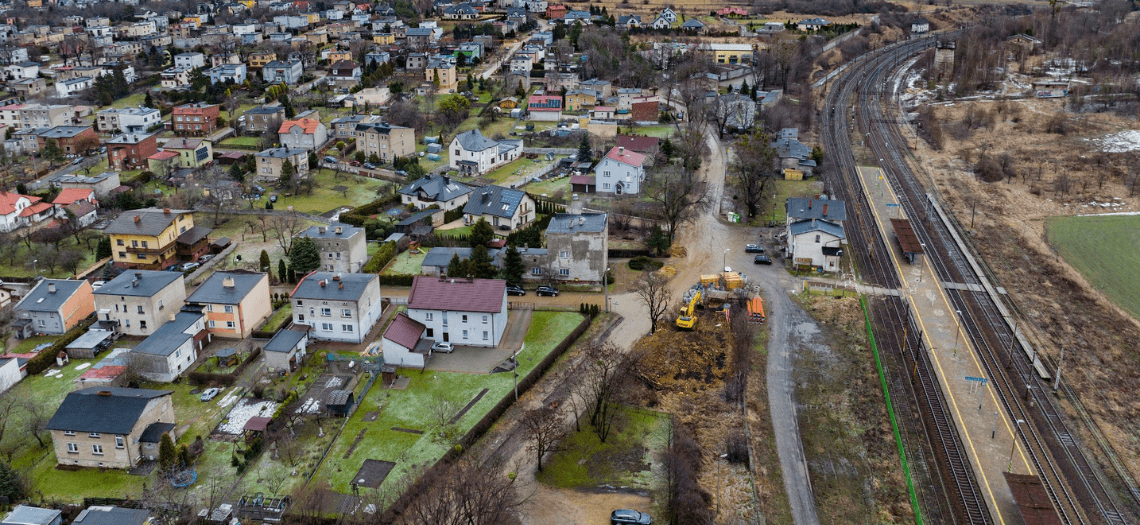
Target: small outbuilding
340, 402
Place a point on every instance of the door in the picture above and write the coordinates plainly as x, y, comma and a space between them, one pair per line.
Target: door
446, 337
617, 188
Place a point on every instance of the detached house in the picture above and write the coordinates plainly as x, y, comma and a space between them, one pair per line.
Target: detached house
173, 347
472, 154
816, 243
198, 118
545, 107
621, 172
191, 153
138, 302
111, 427
271, 163
578, 246
287, 71
232, 73
53, 307
343, 247
286, 350
385, 140
235, 302
403, 344
305, 133
505, 209
338, 307
130, 151
148, 238
17, 211
435, 190
468, 312
264, 118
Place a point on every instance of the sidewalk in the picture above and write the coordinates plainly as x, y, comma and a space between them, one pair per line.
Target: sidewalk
975, 408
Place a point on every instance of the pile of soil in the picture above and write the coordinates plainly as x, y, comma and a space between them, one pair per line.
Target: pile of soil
695, 361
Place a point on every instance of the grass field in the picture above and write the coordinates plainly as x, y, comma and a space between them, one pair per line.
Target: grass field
250, 143
406, 263
785, 189
361, 190
1106, 250
550, 186
623, 460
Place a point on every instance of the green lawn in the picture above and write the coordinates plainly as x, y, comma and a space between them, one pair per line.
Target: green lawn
518, 170
411, 409
406, 263
361, 190
550, 187
1106, 250
660, 131
250, 143
623, 460
279, 317
783, 190
454, 232
129, 101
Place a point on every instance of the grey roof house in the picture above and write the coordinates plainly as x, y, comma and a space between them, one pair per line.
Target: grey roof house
435, 189
506, 209
338, 307
801, 208
106, 515
235, 302
28, 515
286, 350
171, 349
138, 302
793, 153
110, 427
53, 307
578, 246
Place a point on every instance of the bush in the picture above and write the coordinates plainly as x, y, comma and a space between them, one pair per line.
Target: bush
452, 215
644, 263
396, 280
383, 256
46, 358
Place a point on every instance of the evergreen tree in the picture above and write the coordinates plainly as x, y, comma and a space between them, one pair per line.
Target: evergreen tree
10, 485
304, 257
584, 151
744, 90
513, 268
104, 249
658, 240
457, 267
167, 454
282, 271
149, 100
264, 262
288, 171
481, 233
481, 265
292, 275
313, 162
289, 111
667, 148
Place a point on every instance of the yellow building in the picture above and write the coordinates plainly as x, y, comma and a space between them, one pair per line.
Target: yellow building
235, 302
148, 238
258, 60
446, 75
339, 55
793, 174
577, 100
384, 39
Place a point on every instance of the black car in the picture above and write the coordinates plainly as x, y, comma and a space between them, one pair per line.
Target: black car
753, 248
630, 517
762, 259
546, 290
515, 290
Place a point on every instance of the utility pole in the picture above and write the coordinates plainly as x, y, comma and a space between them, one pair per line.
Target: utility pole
1057, 380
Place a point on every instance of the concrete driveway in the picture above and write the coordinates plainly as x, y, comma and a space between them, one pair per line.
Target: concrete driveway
482, 360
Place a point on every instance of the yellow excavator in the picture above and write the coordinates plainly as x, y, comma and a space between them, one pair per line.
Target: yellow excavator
688, 318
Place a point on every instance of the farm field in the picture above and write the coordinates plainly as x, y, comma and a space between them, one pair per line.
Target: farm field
1106, 250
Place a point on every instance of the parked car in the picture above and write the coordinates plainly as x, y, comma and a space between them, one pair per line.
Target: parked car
442, 346
208, 394
753, 248
515, 290
330, 159
206, 257
78, 160
272, 198
369, 166
630, 517
258, 189
174, 268
354, 163
190, 266
762, 259
546, 290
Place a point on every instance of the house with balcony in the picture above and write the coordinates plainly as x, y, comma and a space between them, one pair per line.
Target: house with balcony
435, 190
231, 73
343, 247
287, 71
465, 312
148, 238
337, 307
139, 302
191, 153
505, 209
127, 120
130, 151
473, 154
190, 60
263, 118
107, 427
175, 78
234, 302
17, 211
53, 307
271, 163
385, 141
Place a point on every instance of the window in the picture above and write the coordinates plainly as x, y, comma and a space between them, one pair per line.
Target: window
97, 450
142, 325
326, 327
346, 328
178, 353
465, 318
428, 316
430, 333
817, 239
564, 253
140, 309
605, 185
300, 302
122, 255
536, 271
485, 319
300, 317
211, 324
229, 324
326, 312
68, 433
72, 448
484, 335
120, 242
209, 308
465, 334
160, 305
116, 308
229, 309
346, 313
119, 443
564, 272
93, 435
42, 323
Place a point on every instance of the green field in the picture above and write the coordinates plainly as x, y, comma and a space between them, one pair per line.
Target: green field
406, 263
1106, 250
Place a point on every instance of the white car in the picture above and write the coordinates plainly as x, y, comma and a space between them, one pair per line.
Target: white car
443, 347
208, 394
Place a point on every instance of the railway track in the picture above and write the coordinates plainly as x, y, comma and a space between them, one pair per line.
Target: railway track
1074, 484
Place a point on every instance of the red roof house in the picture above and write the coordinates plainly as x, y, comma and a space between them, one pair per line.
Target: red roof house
465, 312
644, 112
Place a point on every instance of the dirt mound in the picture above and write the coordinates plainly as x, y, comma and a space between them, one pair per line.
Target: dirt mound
693, 361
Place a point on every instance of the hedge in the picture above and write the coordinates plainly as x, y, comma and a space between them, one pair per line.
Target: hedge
644, 263
628, 254
359, 214
452, 215
383, 256
46, 358
396, 280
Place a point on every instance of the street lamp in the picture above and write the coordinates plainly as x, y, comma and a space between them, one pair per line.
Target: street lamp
35, 269
724, 259
606, 287
1013, 444
718, 482
957, 331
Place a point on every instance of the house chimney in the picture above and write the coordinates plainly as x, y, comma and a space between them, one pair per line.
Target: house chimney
443, 277
470, 278
135, 282
51, 287
809, 203
621, 151
166, 211
321, 230
446, 180
339, 230
106, 393
581, 221
336, 277
138, 218
138, 275
322, 281
340, 286
825, 210
228, 282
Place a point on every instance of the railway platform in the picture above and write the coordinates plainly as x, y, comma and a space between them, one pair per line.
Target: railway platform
982, 423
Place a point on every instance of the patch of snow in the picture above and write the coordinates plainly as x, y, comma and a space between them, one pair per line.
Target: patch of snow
83, 366
229, 399
311, 406
334, 382
243, 412
1124, 141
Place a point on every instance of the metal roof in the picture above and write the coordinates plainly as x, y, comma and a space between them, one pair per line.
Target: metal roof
477, 295
106, 410
349, 287
436, 188
810, 208
154, 431
91, 338
285, 341
810, 225
215, 291
104, 515
494, 200
170, 335
907, 239
40, 299
27, 515
151, 222
329, 232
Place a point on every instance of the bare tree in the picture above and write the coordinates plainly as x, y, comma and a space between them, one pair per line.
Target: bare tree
443, 407
286, 226
607, 368
753, 169
653, 290
468, 493
678, 197
545, 430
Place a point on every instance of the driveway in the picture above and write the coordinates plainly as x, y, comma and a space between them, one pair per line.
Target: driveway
482, 360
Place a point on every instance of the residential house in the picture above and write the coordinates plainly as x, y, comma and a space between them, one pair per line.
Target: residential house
466, 312
645, 113
726, 53
271, 163
338, 307
812, 24
815, 243
555, 12
644, 145
555, 82
198, 118
73, 140
286, 350
368, 98
439, 258
808, 208
385, 141
190, 60
193, 243
536, 6
232, 73
580, 99
304, 133
260, 60
545, 107
418, 38
235, 302
462, 11
147, 238
287, 71
735, 111
102, 183
54, 306
17, 211
73, 87
106, 515
192, 153
111, 427
629, 22
621, 172
343, 247
22, 71
402, 343
793, 153
693, 25
175, 78
344, 128
602, 89
435, 190
347, 70
46, 115
29, 88
138, 302
920, 26
668, 15
127, 120
522, 62
505, 209
442, 71
577, 245
80, 203
263, 118
130, 151
473, 154
28, 515
10, 373
581, 17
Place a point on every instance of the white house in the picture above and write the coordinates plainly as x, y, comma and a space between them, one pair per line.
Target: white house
287, 71
812, 24
435, 190
620, 172
816, 243
466, 312
174, 77
171, 349
139, 302
661, 23
190, 60
72, 87
303, 133
22, 70
338, 307
12, 210
472, 154
403, 343
506, 209
920, 26
668, 15
343, 247
536, 6
234, 73
286, 350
